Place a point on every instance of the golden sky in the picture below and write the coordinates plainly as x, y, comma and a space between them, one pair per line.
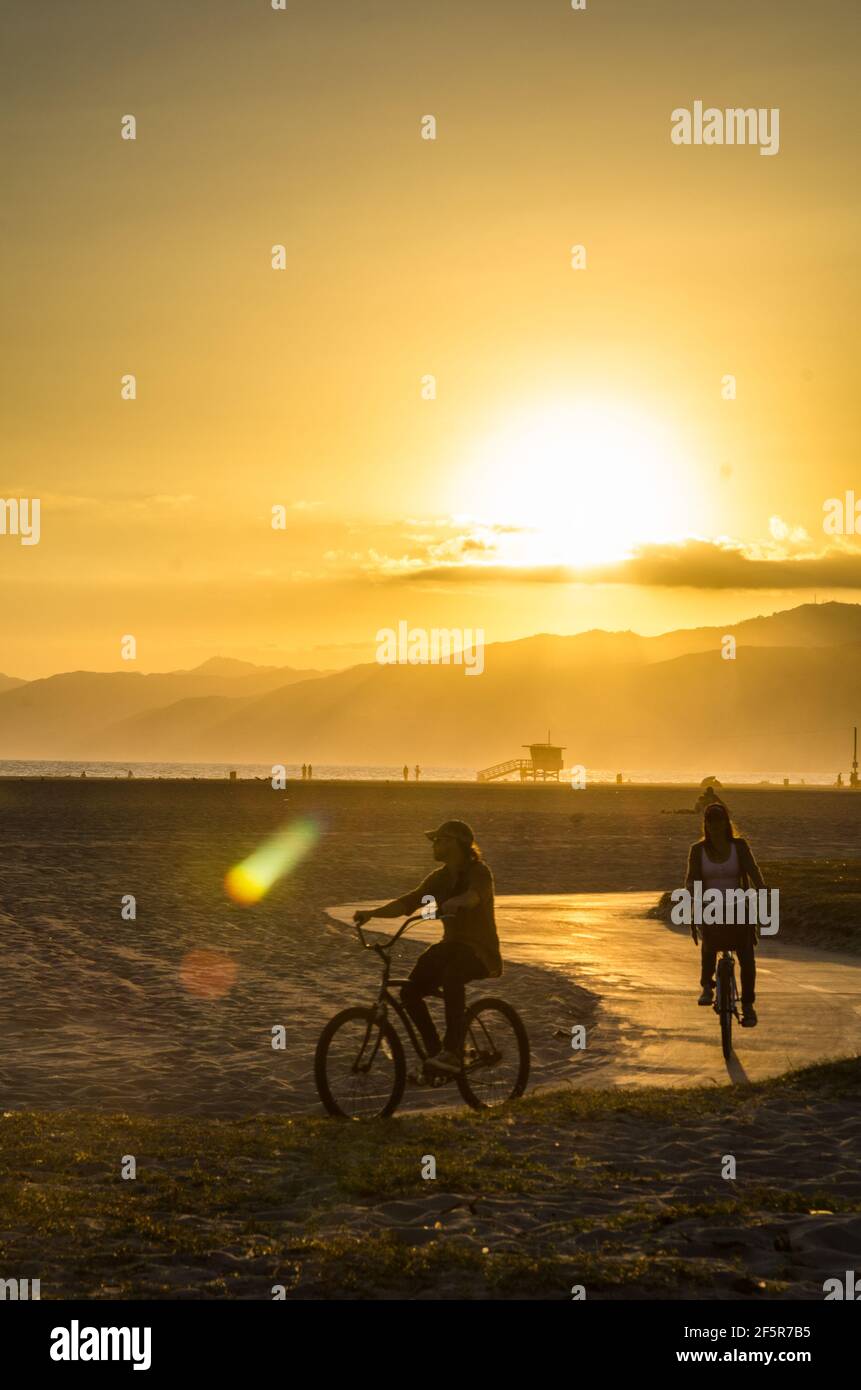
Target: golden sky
579, 466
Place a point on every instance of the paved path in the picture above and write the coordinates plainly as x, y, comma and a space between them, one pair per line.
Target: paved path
649, 1030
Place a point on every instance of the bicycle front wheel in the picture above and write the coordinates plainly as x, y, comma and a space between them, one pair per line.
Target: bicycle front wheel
359, 1066
725, 1001
495, 1055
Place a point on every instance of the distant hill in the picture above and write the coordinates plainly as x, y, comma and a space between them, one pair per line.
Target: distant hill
615, 700
775, 708
229, 666
72, 715
9, 682
810, 625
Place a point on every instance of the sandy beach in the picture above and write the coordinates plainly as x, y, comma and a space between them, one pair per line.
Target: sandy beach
172, 1013
620, 1192
152, 1036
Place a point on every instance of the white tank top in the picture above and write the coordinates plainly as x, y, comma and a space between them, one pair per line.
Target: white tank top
722, 876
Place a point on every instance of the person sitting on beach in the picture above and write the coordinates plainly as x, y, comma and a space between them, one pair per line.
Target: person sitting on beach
707, 798
723, 860
463, 892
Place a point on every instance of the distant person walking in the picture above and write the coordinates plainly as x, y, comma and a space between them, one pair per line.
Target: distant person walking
406, 773
723, 860
304, 772
310, 772
462, 889
418, 772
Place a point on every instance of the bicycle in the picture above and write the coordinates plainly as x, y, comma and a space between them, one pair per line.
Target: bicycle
360, 1065
726, 999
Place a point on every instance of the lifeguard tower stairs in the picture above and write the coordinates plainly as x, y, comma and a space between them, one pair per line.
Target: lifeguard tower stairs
544, 763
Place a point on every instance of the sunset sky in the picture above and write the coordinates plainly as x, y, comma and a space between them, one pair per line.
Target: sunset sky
579, 466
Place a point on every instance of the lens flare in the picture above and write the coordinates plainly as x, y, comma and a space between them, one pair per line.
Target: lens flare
249, 881
207, 974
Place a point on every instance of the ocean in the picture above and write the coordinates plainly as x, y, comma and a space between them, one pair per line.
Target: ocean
360, 772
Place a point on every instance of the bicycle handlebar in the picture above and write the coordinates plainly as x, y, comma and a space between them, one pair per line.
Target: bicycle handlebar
387, 945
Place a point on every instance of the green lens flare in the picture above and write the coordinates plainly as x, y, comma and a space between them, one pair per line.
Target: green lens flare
250, 881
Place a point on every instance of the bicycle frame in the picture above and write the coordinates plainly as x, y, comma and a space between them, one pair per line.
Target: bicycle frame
385, 999
385, 996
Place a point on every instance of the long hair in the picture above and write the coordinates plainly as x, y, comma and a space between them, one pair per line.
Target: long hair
714, 810
471, 855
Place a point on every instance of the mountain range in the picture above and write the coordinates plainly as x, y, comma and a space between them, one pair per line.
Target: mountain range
787, 701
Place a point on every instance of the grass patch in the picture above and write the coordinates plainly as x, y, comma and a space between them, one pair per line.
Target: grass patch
224, 1206
384, 1266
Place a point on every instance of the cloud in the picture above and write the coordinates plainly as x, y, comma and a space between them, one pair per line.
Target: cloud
694, 564
786, 534
469, 552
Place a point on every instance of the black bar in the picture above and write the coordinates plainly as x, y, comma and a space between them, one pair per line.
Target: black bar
251, 1338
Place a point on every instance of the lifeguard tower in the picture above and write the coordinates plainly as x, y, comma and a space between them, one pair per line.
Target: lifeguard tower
544, 761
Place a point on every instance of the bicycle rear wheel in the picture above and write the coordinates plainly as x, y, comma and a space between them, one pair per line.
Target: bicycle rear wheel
359, 1066
495, 1055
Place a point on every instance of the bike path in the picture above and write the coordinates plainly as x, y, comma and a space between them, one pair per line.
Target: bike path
649, 1030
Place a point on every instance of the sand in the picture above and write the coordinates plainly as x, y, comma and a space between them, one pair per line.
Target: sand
173, 1012
663, 1181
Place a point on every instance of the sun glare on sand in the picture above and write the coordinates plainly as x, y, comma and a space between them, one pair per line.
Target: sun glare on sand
586, 483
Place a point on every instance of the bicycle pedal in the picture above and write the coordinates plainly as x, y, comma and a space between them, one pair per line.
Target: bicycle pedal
439, 1078
418, 1078
426, 1081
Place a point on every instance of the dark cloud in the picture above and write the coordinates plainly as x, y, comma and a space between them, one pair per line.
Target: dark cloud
692, 565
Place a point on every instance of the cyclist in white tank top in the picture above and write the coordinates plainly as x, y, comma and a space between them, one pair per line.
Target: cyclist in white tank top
723, 860
721, 875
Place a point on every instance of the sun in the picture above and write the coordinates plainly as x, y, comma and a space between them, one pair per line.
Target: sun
579, 483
